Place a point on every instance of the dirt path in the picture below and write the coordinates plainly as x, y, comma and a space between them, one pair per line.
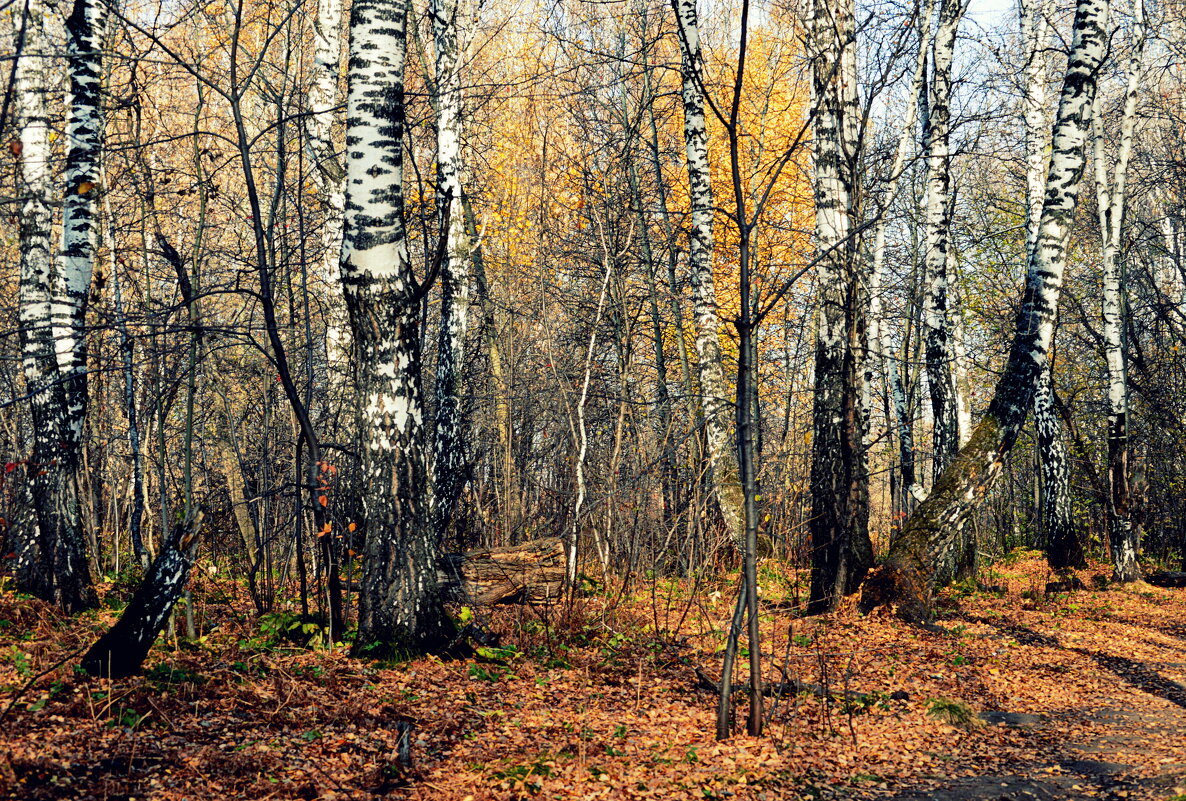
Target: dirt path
1127, 750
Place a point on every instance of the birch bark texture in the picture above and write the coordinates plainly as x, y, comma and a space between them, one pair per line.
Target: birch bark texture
399, 605
839, 527
329, 178
51, 551
879, 336
906, 578
714, 392
1063, 548
940, 350
1111, 196
449, 441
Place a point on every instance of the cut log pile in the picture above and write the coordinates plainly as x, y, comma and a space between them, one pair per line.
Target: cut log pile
530, 573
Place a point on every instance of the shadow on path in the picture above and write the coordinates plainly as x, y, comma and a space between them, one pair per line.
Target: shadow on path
1078, 777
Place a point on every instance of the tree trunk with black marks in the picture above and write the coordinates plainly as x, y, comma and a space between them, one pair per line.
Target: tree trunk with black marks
449, 439
940, 351
400, 609
906, 579
51, 552
714, 393
1111, 193
841, 549
329, 177
1057, 525
121, 651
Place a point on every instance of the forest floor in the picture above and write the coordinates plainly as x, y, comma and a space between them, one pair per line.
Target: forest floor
1022, 695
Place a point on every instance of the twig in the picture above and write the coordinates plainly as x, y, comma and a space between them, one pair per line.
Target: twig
36, 678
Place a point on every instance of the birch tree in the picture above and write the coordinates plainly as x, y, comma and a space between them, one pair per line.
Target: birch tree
51, 554
1111, 196
449, 443
940, 350
329, 177
878, 333
840, 545
713, 390
906, 578
1063, 548
399, 603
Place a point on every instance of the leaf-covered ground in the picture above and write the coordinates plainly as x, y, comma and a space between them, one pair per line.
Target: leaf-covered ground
1023, 695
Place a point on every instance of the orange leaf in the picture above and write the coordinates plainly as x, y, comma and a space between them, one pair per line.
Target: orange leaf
323, 500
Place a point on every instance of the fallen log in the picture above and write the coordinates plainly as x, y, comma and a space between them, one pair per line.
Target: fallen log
1166, 578
530, 573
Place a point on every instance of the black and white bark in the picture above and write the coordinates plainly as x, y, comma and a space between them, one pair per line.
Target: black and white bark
121, 651
1057, 526
906, 579
449, 441
879, 335
400, 607
841, 549
1111, 191
51, 551
940, 349
329, 178
714, 392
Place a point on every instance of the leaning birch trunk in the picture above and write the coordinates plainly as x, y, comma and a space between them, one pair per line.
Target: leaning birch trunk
1111, 196
449, 441
51, 551
714, 394
1063, 548
906, 579
840, 545
940, 353
400, 608
121, 651
878, 334
329, 178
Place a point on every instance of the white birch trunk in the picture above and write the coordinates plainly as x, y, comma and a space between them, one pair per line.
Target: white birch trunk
329, 177
940, 353
841, 549
1062, 545
1111, 198
399, 604
906, 577
51, 554
713, 390
449, 443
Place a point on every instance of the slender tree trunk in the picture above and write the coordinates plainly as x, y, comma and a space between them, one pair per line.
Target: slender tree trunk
713, 391
329, 177
502, 404
906, 578
841, 549
51, 552
879, 334
1124, 538
449, 442
940, 353
400, 606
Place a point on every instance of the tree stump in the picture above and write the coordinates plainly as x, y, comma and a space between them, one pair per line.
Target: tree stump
532, 573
